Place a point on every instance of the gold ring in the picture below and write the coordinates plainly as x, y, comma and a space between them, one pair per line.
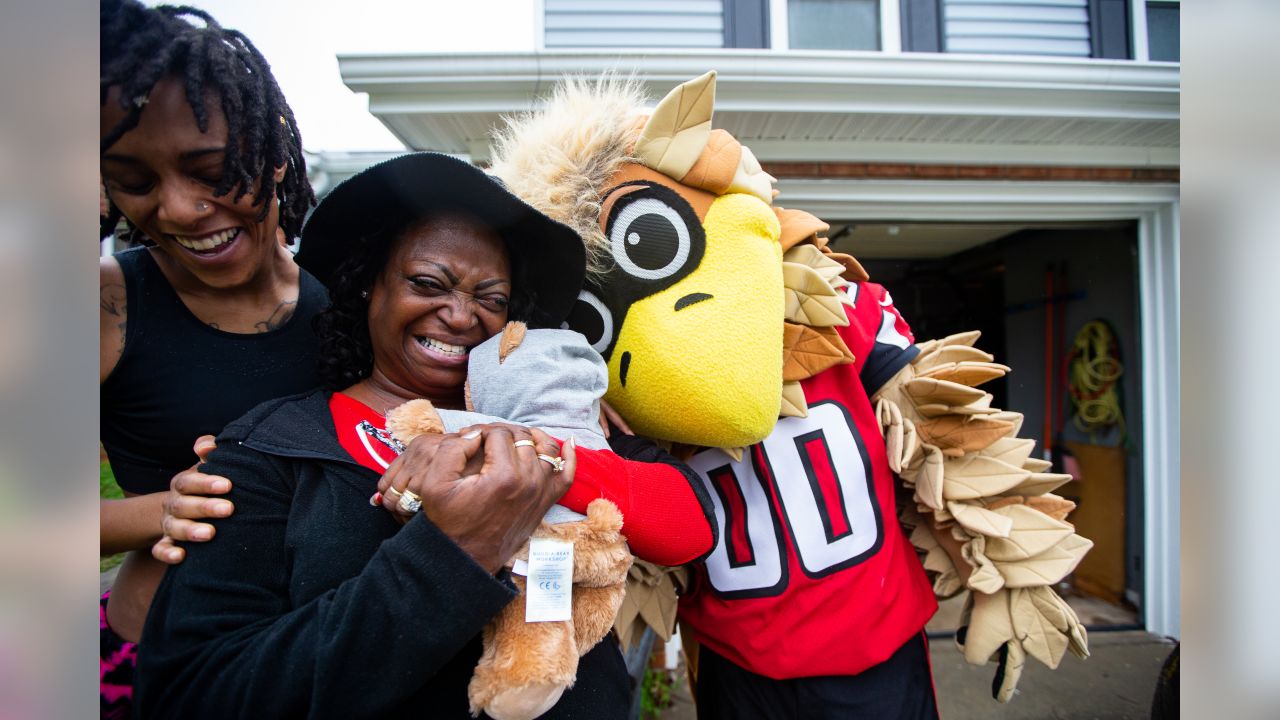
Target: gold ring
410, 502
391, 490
522, 443
557, 464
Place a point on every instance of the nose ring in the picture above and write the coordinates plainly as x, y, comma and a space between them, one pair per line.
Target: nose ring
202, 206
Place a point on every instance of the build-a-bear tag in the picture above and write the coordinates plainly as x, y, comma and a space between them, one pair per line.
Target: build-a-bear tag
549, 591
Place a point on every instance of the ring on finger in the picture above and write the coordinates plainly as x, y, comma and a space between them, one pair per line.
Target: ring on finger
557, 464
410, 502
392, 491
522, 443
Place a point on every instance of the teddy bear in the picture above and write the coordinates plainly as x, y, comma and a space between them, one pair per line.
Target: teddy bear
553, 380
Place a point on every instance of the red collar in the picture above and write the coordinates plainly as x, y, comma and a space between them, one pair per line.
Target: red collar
362, 432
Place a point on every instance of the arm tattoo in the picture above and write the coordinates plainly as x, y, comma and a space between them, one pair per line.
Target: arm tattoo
278, 317
112, 300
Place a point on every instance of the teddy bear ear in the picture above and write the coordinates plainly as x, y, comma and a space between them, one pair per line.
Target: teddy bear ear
512, 336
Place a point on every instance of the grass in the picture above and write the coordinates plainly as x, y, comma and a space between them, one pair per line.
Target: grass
107, 482
109, 490
659, 684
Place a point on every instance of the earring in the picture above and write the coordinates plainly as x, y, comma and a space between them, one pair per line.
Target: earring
364, 294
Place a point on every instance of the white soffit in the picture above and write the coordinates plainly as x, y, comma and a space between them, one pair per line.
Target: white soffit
816, 106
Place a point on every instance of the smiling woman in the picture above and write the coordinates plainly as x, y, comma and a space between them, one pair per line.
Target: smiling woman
163, 177
445, 289
201, 158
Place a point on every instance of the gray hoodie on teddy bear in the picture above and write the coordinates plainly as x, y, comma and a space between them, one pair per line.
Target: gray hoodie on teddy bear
553, 380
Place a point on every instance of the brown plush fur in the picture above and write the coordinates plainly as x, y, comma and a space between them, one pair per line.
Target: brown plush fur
414, 418
594, 612
526, 667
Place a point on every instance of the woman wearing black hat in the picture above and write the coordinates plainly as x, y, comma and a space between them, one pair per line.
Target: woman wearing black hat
313, 603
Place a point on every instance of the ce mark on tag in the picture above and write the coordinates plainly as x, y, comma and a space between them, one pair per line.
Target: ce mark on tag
550, 589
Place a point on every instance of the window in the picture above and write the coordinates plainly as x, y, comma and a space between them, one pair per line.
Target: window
1163, 31
833, 24
746, 23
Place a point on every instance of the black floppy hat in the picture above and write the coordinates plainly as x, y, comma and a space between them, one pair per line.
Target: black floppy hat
547, 258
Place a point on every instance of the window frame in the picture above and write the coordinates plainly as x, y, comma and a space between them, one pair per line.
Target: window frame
890, 28
1138, 23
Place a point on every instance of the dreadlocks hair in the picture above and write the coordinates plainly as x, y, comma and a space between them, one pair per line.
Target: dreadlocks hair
342, 329
141, 46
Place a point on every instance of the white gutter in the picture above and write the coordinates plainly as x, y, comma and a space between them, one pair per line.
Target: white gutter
796, 81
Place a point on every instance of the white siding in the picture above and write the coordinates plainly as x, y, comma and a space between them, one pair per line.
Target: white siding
634, 23
1017, 27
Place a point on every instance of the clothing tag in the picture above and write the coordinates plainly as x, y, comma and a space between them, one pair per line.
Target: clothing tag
549, 591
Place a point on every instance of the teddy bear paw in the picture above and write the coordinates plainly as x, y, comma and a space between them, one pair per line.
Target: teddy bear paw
411, 419
524, 703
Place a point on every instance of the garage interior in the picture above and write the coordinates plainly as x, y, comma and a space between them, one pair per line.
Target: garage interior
1035, 291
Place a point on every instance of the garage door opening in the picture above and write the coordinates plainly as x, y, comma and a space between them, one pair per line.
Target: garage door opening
1037, 291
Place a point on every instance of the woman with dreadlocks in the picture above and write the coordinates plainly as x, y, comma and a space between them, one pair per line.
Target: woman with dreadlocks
201, 158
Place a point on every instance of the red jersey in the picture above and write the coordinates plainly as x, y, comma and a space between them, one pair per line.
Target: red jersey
811, 573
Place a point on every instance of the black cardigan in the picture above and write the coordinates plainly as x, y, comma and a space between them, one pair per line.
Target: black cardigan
312, 603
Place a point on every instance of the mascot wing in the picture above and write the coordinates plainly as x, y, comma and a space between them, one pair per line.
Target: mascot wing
985, 516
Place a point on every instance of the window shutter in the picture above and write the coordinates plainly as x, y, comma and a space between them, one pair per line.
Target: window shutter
634, 23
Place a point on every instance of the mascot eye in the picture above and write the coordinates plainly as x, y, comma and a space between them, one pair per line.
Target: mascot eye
650, 239
590, 317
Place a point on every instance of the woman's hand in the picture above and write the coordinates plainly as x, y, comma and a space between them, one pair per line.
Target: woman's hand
609, 415
187, 503
480, 488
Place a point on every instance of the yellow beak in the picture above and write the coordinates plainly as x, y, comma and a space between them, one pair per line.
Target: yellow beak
701, 361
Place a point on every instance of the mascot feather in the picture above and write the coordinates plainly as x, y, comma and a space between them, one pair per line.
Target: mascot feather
793, 387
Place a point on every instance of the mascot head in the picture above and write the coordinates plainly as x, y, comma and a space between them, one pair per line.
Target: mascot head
708, 303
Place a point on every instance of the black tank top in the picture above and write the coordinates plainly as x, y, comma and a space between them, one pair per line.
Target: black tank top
179, 378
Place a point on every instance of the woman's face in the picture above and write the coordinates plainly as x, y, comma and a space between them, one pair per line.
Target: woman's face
444, 290
161, 175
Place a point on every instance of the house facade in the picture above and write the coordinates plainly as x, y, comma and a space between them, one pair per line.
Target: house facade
1020, 156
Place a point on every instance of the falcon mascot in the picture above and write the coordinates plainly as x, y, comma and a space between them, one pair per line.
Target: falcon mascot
853, 473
